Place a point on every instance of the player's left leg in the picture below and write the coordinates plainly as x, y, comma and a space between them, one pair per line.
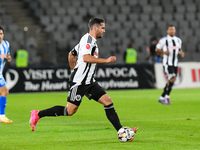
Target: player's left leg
3, 102
172, 78
171, 83
167, 96
110, 111
99, 95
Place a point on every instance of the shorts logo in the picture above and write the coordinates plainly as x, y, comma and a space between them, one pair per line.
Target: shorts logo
88, 46
77, 97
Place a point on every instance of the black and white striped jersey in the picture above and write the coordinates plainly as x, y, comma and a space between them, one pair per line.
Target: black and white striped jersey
83, 72
173, 44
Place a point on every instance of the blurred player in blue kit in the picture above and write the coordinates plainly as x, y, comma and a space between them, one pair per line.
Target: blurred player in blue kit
4, 54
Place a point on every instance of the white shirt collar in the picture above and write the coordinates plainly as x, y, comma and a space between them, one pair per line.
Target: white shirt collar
170, 36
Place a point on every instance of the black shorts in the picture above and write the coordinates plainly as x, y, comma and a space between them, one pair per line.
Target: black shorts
170, 71
92, 91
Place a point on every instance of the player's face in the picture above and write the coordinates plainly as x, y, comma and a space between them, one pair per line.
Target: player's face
100, 30
171, 31
1, 36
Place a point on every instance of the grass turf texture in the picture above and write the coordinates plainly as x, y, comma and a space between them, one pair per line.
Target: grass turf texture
174, 127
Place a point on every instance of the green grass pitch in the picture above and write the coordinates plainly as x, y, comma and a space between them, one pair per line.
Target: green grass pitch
161, 127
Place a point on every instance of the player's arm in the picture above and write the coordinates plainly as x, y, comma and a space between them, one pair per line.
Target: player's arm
162, 52
160, 46
72, 60
9, 58
91, 59
181, 53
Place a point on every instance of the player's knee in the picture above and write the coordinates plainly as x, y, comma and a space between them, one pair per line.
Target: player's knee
70, 112
5, 93
71, 109
173, 79
105, 100
110, 101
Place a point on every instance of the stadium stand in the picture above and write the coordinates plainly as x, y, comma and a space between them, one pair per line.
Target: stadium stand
58, 25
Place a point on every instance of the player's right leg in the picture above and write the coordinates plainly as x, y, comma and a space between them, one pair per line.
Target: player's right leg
3, 101
53, 111
69, 110
162, 98
73, 102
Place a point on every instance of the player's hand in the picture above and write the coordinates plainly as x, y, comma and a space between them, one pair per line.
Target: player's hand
182, 54
159, 51
9, 58
111, 59
166, 52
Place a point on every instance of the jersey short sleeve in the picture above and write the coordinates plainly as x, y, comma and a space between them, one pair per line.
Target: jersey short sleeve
7, 44
161, 43
74, 51
180, 43
86, 45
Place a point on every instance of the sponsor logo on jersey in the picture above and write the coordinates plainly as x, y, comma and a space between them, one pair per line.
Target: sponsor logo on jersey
88, 46
96, 54
3, 55
173, 47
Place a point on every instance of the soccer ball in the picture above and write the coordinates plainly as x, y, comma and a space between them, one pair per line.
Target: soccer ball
125, 134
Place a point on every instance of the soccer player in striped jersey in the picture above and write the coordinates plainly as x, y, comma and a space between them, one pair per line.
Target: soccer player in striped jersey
4, 54
83, 59
170, 47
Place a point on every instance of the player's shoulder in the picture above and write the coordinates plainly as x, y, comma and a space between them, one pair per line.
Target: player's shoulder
178, 38
6, 43
87, 38
163, 38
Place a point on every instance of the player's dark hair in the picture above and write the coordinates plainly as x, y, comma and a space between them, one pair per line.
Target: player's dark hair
94, 21
170, 26
1, 29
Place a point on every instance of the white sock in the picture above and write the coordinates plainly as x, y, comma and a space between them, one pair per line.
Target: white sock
1, 116
161, 98
167, 96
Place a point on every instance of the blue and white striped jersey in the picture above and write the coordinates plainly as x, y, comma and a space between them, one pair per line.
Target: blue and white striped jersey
4, 50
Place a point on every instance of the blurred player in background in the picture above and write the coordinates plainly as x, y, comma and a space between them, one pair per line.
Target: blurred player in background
130, 55
4, 54
170, 47
83, 59
152, 56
